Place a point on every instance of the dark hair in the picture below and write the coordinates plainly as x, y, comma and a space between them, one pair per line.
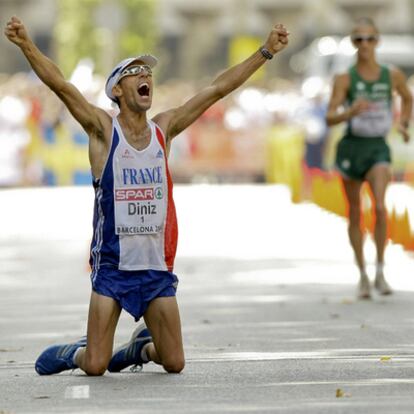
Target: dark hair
365, 21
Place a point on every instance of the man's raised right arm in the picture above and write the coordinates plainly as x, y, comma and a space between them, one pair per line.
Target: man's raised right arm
90, 117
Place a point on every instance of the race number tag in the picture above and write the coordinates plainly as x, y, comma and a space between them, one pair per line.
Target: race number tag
139, 210
376, 122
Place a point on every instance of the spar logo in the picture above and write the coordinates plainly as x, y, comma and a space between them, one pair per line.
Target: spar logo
134, 194
158, 193
380, 87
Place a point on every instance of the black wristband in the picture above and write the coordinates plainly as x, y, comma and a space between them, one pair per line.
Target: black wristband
265, 53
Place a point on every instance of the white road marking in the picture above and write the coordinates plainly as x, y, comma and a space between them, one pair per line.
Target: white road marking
354, 354
77, 392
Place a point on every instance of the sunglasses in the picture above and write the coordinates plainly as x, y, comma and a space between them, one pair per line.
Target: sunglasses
360, 38
135, 70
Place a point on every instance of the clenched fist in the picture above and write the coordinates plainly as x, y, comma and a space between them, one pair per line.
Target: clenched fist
404, 131
277, 40
359, 106
15, 31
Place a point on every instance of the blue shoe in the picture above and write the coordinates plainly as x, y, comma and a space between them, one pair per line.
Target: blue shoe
130, 353
58, 358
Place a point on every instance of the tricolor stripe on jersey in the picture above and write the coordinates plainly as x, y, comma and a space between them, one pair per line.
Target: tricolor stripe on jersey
135, 224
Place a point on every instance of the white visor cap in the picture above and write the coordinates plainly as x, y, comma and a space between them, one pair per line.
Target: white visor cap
113, 78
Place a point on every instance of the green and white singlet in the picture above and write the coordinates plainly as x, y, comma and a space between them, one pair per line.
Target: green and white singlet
364, 143
377, 121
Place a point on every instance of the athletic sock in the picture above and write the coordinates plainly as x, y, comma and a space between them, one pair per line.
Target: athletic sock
380, 268
76, 354
144, 354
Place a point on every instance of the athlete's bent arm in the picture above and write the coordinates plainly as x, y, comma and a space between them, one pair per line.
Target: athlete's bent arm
338, 98
85, 113
176, 120
400, 85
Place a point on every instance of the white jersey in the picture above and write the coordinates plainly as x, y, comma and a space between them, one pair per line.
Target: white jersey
135, 226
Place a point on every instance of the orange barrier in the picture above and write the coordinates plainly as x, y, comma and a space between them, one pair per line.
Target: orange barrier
326, 190
285, 150
400, 230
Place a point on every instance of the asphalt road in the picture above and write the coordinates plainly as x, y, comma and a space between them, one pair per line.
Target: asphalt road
267, 297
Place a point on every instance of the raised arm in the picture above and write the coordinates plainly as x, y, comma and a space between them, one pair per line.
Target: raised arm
177, 119
400, 84
90, 117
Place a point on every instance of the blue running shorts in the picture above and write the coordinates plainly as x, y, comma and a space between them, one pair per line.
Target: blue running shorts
134, 290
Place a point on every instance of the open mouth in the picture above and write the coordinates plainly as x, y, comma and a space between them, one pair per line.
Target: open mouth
143, 90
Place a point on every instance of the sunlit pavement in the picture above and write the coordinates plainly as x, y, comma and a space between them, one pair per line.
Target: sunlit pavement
268, 307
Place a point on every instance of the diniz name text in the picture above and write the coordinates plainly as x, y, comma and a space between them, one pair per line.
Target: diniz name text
141, 209
134, 176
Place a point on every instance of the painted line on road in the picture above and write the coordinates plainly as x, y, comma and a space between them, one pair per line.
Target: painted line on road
337, 382
355, 354
274, 356
77, 392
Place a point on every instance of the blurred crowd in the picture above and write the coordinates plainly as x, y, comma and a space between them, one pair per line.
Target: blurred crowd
251, 136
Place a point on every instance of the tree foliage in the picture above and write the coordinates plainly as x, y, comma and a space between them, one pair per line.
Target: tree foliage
88, 29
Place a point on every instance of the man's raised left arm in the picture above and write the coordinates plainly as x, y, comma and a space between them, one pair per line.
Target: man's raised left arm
176, 120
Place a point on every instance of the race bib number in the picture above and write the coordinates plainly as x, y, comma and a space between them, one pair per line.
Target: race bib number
376, 122
139, 210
